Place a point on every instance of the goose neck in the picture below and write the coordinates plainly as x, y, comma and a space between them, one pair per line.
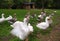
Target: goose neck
2, 16
47, 21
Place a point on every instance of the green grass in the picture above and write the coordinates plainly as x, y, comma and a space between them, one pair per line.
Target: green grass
5, 26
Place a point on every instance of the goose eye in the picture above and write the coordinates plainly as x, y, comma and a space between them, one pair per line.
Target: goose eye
48, 19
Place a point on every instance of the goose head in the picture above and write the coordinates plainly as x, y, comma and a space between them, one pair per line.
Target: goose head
48, 19
2, 13
9, 17
14, 14
43, 13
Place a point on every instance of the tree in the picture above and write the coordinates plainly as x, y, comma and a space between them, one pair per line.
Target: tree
18, 3
6, 3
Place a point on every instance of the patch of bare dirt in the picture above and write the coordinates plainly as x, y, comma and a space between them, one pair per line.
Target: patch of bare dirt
6, 38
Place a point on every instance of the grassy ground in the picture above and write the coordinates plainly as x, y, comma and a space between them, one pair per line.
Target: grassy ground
5, 26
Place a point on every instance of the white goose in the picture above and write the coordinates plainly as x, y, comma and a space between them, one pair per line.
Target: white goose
41, 16
21, 29
44, 25
18, 30
2, 19
43, 13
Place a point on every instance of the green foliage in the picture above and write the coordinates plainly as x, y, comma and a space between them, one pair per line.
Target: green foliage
28, 0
